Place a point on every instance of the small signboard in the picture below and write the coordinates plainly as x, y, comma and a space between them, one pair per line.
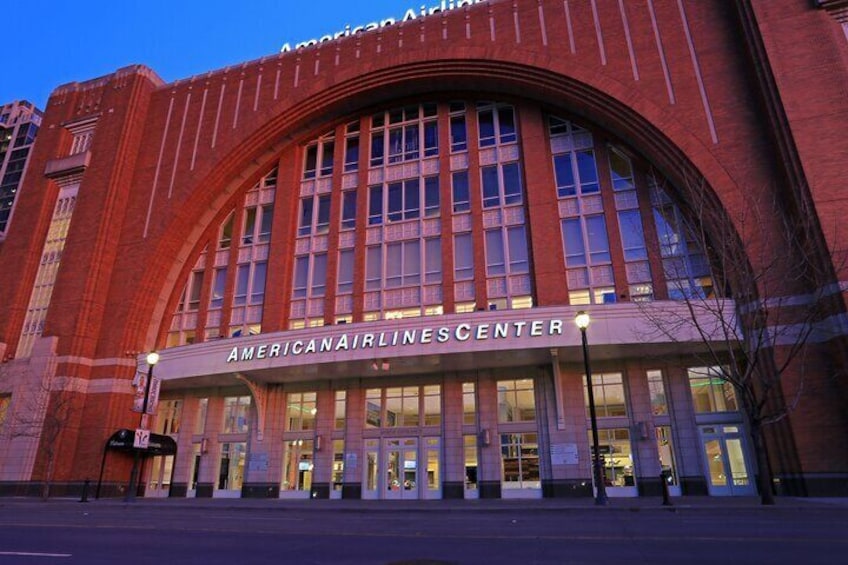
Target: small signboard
141, 439
153, 397
139, 382
564, 454
258, 462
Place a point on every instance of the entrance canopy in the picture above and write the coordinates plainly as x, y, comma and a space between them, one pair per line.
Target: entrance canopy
159, 444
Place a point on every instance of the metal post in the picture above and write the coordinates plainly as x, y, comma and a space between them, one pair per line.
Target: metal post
130, 495
666, 496
600, 488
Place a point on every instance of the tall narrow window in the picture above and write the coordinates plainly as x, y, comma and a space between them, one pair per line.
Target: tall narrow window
226, 236
200, 416
461, 196
501, 185
218, 286
463, 257
711, 392
310, 162
327, 158
469, 404
257, 291
310, 276
235, 414
608, 391
195, 290
301, 409
659, 401
431, 196
345, 276
632, 235
349, 209
267, 218
459, 139
516, 401
340, 407
351, 160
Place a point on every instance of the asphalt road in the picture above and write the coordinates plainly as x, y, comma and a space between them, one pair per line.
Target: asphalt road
97, 533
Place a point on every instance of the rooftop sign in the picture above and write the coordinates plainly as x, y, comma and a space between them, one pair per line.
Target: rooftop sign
410, 15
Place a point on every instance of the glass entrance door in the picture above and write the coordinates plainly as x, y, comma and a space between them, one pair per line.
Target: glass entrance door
727, 467
401, 464
402, 469
159, 483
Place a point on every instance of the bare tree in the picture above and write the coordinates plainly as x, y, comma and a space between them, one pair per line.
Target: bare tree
42, 415
751, 289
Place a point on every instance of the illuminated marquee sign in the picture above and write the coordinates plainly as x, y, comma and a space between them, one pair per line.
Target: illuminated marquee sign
409, 15
397, 338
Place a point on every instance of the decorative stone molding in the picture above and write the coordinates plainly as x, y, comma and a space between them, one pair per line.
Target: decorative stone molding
260, 399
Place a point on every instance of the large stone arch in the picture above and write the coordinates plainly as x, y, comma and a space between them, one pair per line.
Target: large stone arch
667, 143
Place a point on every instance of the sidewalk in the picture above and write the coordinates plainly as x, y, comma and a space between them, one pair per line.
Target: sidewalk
687, 503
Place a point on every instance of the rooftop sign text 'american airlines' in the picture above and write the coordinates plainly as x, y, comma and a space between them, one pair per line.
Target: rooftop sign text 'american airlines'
409, 15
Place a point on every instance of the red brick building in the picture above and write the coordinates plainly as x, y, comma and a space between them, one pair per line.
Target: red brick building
360, 260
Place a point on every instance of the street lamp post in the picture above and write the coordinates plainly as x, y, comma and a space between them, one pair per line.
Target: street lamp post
582, 320
152, 359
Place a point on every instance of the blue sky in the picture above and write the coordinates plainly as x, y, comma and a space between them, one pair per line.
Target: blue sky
53, 42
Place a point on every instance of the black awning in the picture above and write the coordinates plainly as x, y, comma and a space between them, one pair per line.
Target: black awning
159, 444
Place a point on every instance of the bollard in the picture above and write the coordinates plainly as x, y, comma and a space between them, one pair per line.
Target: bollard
665, 494
85, 491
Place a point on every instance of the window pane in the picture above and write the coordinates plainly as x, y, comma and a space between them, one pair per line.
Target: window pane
352, 154
572, 234
491, 194
596, 232
242, 279
377, 148
218, 288
319, 274
345, 278
373, 270
621, 171
411, 262
327, 158
458, 134
375, 205
411, 199
632, 235
517, 239
588, 172
394, 258
463, 254
486, 121
301, 273
460, 191
659, 403
257, 294
431, 139
349, 209
311, 162
494, 253
323, 223
564, 175
395, 206
433, 260
249, 226
511, 183
306, 210
506, 124
431, 196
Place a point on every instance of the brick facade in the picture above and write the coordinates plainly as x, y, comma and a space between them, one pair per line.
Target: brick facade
744, 95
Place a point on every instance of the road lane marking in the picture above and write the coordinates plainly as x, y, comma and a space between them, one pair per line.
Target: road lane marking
30, 554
